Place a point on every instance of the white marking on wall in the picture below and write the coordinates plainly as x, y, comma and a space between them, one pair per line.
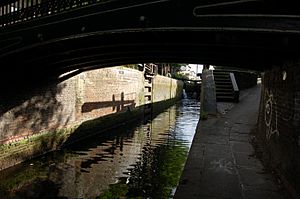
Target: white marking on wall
270, 109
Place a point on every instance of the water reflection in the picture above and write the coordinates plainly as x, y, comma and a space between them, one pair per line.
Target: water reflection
144, 160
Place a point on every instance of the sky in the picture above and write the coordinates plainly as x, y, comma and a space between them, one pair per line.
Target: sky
194, 67
200, 67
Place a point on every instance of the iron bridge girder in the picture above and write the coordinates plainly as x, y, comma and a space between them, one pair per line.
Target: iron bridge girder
252, 34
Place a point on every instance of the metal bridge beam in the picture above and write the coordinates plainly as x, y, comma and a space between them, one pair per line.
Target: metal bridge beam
57, 36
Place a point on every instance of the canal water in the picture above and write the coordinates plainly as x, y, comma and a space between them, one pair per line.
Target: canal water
142, 160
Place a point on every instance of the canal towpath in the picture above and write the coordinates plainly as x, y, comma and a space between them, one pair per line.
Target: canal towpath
221, 162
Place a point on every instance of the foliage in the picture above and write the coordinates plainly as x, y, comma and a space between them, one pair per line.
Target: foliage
180, 76
133, 66
203, 115
176, 66
158, 172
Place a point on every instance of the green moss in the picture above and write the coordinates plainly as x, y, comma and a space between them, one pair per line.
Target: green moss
203, 115
115, 191
155, 176
33, 146
51, 140
22, 178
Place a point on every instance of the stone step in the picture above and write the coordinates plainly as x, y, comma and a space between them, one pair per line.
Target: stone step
222, 80
220, 71
223, 83
221, 75
224, 94
224, 89
228, 89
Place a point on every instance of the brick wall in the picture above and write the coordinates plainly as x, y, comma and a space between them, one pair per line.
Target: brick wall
165, 88
279, 122
108, 91
47, 109
47, 117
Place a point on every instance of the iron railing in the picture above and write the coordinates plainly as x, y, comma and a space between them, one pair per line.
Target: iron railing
236, 91
13, 12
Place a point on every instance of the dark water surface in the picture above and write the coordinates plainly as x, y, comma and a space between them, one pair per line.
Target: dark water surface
144, 160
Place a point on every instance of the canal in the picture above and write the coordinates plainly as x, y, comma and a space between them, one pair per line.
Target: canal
141, 160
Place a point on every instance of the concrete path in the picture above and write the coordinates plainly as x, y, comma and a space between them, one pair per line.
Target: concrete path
221, 162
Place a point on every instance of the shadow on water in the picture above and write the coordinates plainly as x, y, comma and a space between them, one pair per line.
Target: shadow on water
143, 160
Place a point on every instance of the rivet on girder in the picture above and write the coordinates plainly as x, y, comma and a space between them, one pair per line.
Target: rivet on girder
142, 18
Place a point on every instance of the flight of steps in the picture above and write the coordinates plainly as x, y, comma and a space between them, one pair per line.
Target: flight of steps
226, 89
148, 74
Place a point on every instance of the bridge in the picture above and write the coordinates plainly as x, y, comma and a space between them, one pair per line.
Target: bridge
51, 40
46, 38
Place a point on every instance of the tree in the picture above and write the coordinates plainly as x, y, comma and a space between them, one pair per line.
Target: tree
176, 66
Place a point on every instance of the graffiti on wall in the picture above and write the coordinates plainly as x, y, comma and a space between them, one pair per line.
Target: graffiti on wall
271, 115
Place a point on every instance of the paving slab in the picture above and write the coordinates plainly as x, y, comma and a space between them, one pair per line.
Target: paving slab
261, 194
241, 147
221, 162
247, 161
238, 137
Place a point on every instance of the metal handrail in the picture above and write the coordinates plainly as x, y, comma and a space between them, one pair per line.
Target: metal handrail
236, 91
17, 11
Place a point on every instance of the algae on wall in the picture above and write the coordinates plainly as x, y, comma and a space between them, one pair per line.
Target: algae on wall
60, 123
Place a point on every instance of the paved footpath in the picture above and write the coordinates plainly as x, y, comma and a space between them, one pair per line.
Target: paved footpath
221, 162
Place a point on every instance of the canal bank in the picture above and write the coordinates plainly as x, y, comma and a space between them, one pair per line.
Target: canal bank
221, 162
138, 160
44, 119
